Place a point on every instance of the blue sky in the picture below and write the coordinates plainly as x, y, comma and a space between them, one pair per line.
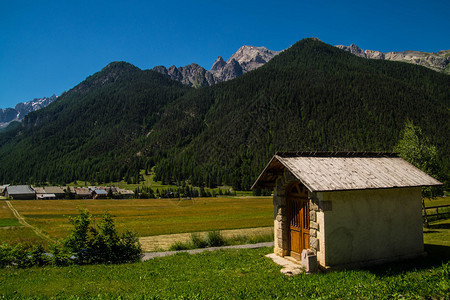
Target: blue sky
47, 47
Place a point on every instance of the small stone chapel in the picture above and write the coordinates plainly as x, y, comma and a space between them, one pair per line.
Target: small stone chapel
350, 209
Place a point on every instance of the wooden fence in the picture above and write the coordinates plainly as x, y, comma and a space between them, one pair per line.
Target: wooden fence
437, 214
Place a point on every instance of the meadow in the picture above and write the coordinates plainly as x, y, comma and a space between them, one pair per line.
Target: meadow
222, 274
147, 217
228, 274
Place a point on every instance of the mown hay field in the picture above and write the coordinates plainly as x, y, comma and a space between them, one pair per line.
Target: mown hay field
11, 231
146, 217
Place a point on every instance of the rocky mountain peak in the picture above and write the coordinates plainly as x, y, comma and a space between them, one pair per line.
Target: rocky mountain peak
20, 110
439, 61
251, 58
246, 59
218, 65
192, 75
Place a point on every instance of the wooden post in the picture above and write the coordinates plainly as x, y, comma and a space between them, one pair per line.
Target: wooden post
425, 212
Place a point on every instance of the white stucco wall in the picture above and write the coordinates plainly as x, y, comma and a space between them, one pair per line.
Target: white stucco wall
369, 225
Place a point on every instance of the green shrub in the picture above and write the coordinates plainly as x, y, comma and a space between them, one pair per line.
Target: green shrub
215, 239
59, 256
86, 244
198, 241
180, 246
6, 258
23, 256
102, 244
37, 256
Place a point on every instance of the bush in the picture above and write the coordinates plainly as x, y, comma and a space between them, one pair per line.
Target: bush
59, 256
91, 245
198, 241
23, 256
215, 239
6, 258
86, 244
180, 246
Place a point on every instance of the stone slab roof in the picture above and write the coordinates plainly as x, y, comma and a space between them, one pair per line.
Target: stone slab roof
339, 171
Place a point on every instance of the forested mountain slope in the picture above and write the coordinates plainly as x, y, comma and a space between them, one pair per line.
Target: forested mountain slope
87, 132
311, 96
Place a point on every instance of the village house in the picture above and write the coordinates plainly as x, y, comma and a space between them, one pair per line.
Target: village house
3, 189
345, 209
99, 194
41, 194
124, 192
20, 192
83, 193
56, 190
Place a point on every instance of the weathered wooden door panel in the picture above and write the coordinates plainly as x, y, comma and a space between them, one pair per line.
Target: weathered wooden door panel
298, 216
295, 243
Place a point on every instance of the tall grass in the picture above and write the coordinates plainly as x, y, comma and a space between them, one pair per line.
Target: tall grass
215, 239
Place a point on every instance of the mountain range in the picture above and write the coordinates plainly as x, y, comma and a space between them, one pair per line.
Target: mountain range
246, 59
17, 113
439, 61
311, 96
249, 58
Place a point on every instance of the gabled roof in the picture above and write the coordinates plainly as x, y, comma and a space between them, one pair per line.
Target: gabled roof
338, 171
20, 190
100, 192
82, 191
53, 190
39, 190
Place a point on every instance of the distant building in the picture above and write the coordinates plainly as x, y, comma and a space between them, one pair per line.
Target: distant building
83, 193
2, 189
124, 192
56, 190
348, 209
45, 196
113, 189
39, 192
99, 194
20, 192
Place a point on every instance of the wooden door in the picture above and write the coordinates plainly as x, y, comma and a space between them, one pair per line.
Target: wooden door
298, 217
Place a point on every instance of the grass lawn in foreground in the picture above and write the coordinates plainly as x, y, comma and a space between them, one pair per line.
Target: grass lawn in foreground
152, 216
227, 274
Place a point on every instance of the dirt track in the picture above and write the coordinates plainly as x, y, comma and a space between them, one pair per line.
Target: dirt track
22, 221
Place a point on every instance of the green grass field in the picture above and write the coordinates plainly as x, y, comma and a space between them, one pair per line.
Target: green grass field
220, 274
226, 274
146, 217
158, 216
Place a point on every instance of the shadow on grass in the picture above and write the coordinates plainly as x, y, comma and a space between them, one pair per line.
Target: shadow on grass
439, 226
437, 255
